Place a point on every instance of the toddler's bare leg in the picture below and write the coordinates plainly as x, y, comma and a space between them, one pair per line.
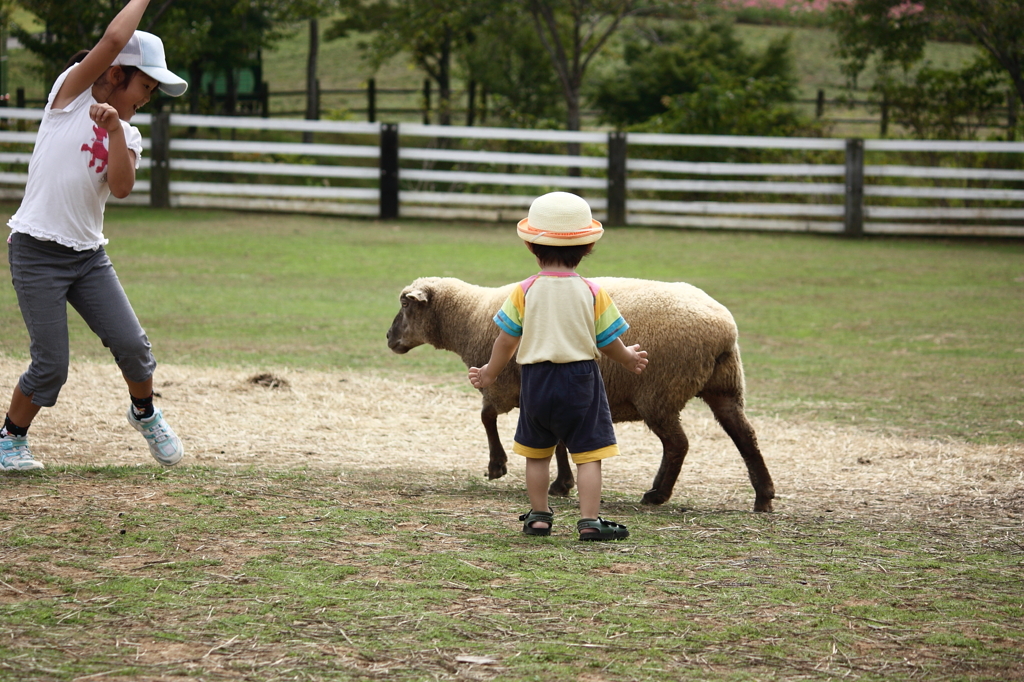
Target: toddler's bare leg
538, 474
588, 483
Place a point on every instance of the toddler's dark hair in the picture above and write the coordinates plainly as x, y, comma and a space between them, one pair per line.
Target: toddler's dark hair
569, 256
129, 71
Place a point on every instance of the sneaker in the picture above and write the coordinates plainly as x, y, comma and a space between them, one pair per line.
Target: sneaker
15, 455
164, 444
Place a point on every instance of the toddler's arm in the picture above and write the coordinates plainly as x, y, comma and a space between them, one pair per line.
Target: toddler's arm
504, 348
630, 357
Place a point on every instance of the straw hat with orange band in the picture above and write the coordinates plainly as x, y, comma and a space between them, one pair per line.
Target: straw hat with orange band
560, 219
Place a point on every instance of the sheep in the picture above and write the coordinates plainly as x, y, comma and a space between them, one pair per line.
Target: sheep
690, 338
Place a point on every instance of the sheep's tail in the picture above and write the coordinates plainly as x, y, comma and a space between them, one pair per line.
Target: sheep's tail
727, 377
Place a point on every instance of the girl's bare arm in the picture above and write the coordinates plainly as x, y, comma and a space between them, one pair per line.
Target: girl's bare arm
99, 58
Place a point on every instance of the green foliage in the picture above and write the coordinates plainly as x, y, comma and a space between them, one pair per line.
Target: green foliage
573, 33
213, 34
508, 61
728, 106
943, 103
894, 33
887, 29
701, 80
431, 31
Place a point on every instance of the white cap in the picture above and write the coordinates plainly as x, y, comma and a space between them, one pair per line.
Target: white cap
146, 52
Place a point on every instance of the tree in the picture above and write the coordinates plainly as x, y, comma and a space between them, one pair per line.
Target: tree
662, 68
895, 32
201, 34
506, 59
573, 33
431, 30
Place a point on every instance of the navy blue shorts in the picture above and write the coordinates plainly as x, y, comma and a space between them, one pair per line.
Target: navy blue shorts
564, 402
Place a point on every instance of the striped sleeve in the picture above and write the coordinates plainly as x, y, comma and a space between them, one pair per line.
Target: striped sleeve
510, 318
608, 323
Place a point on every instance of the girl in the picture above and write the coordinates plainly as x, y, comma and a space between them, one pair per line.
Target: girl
85, 151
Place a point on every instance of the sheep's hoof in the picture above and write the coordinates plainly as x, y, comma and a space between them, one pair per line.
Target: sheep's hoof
560, 489
496, 471
654, 496
763, 505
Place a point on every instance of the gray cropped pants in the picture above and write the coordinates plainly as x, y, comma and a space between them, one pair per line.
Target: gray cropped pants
48, 276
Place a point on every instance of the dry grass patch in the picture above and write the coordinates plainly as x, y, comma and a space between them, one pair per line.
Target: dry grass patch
370, 422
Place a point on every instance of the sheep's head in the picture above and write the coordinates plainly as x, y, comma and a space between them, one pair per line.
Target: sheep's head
414, 320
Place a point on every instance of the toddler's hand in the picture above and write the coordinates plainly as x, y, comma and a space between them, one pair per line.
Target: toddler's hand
479, 378
639, 360
105, 116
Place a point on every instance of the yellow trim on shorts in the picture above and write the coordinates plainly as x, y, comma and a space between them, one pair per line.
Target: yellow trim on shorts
595, 455
533, 453
577, 458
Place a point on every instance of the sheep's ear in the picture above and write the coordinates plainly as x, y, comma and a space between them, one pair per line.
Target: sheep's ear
417, 295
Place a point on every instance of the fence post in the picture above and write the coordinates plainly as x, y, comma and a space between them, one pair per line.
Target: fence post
616, 179
1011, 115
160, 168
884, 126
471, 103
820, 108
312, 107
388, 171
265, 99
426, 101
371, 100
854, 214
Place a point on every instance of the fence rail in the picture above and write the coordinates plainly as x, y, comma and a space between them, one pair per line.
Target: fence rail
463, 172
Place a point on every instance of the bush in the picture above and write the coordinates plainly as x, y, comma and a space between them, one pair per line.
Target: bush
943, 103
700, 80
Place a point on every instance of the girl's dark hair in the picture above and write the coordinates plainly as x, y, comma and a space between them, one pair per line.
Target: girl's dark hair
75, 58
129, 71
569, 256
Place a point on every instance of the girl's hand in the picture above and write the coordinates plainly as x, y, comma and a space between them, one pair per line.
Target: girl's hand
105, 116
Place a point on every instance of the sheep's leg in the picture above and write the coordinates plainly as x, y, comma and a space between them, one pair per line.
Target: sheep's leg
728, 410
674, 448
564, 481
496, 467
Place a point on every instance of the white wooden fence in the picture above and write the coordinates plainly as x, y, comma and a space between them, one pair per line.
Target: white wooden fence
452, 172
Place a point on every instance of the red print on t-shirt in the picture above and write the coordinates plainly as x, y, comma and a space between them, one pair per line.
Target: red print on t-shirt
97, 149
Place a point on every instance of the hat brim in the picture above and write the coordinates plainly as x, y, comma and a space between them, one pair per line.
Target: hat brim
587, 235
170, 82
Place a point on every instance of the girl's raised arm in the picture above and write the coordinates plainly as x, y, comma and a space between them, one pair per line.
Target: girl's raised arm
103, 54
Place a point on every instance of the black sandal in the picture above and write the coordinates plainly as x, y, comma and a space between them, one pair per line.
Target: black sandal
533, 517
603, 530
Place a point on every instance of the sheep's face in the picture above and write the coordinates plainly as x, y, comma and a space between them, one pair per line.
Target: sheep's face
408, 329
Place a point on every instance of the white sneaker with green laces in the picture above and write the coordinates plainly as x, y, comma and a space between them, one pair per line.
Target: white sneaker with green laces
15, 455
164, 444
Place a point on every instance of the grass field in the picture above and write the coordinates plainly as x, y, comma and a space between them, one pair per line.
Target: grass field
923, 337
901, 568
247, 575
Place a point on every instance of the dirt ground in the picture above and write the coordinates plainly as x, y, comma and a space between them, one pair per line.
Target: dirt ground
364, 421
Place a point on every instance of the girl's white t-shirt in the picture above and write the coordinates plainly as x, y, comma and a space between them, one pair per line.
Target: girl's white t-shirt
67, 186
